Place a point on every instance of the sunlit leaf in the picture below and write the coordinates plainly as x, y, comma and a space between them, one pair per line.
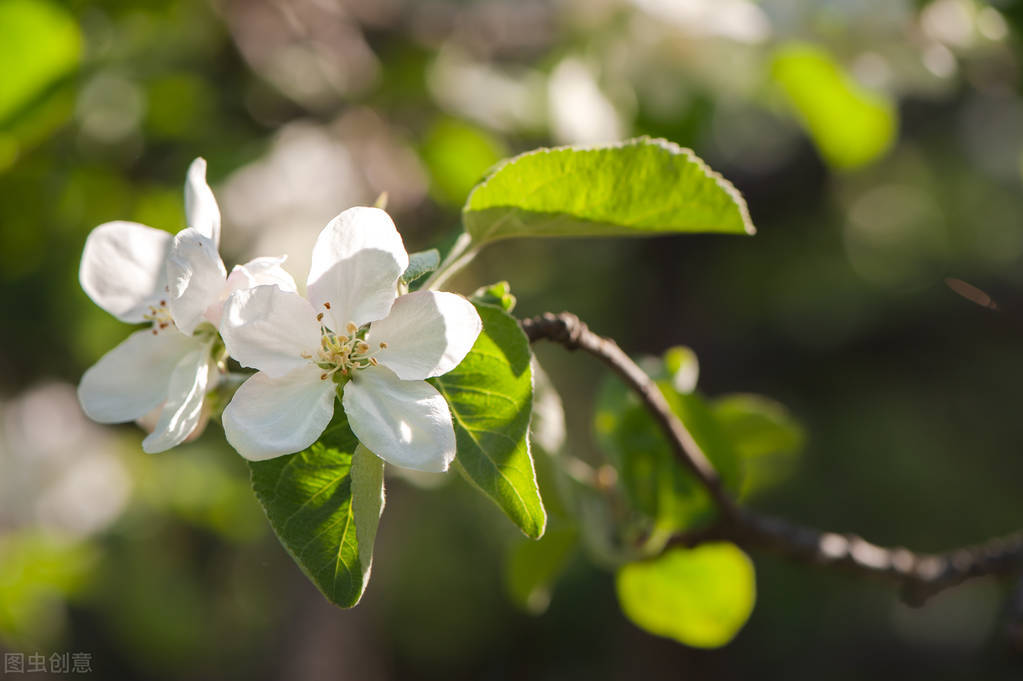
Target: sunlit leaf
491, 396
324, 504
39, 43
850, 125
641, 187
700, 597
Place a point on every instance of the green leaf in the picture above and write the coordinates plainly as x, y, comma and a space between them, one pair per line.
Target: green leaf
641, 187
700, 597
655, 482
491, 396
420, 264
850, 126
764, 435
534, 565
324, 503
498, 294
39, 43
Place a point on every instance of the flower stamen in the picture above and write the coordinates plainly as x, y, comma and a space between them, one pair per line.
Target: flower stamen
342, 354
159, 316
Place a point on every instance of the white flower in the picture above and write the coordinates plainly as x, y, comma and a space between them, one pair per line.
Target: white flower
353, 330
178, 284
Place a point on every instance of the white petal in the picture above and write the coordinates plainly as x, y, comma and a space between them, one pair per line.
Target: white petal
269, 417
357, 261
269, 329
197, 277
405, 423
123, 268
263, 271
185, 394
201, 210
427, 334
133, 378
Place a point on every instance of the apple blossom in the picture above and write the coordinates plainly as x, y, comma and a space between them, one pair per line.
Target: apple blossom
353, 333
178, 284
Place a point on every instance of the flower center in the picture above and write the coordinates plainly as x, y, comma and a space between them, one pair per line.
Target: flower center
339, 355
159, 316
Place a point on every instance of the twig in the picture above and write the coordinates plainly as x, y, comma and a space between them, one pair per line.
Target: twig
570, 331
920, 575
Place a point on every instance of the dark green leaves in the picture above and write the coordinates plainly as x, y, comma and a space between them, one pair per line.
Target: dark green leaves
324, 504
641, 187
752, 442
655, 482
491, 396
765, 436
700, 597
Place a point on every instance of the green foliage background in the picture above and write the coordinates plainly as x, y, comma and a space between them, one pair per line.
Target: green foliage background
878, 145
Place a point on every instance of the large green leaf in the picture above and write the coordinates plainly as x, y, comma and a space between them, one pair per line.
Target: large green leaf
700, 597
851, 126
491, 397
642, 187
324, 503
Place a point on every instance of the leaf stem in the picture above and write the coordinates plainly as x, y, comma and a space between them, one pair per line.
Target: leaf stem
460, 255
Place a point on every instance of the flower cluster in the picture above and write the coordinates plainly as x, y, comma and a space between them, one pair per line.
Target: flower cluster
355, 335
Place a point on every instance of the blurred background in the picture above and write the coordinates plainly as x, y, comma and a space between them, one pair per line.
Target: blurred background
879, 144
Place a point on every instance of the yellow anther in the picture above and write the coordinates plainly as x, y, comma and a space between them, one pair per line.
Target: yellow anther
383, 345
351, 328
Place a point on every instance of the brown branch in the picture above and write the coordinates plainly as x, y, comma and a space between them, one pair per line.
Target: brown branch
920, 575
570, 331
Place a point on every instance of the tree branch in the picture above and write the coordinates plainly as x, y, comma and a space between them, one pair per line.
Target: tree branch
920, 575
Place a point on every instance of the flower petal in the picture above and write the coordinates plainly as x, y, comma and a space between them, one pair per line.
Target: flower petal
201, 210
269, 417
123, 269
197, 277
406, 423
183, 409
427, 334
357, 261
269, 329
133, 378
264, 271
